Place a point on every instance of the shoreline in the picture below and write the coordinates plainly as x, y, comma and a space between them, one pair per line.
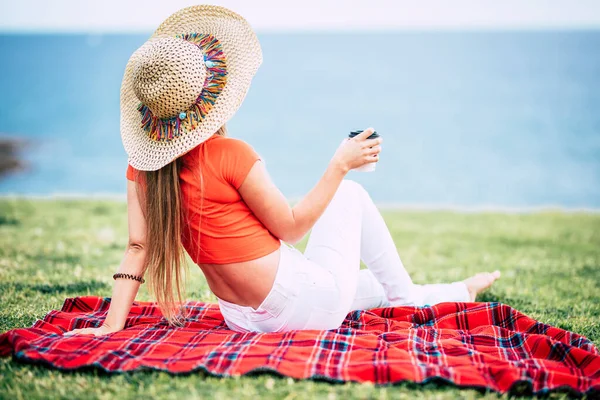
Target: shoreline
384, 206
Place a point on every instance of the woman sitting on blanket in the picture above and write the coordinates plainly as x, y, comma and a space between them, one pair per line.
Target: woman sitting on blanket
191, 187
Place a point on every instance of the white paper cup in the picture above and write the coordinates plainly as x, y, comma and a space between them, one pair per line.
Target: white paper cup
370, 167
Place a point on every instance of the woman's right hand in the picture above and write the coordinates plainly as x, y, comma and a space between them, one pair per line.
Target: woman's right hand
358, 151
100, 331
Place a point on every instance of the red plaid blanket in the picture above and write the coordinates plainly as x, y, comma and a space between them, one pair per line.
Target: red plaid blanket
469, 344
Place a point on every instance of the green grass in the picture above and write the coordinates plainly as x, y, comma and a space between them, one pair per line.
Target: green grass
53, 249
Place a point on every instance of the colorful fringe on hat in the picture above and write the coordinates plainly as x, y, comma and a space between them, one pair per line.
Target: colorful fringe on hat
166, 129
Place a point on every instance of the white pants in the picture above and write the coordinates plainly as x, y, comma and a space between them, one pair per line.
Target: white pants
317, 289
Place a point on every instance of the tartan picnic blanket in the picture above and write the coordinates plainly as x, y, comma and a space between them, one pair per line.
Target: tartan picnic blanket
487, 345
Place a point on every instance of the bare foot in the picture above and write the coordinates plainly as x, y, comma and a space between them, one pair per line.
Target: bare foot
479, 282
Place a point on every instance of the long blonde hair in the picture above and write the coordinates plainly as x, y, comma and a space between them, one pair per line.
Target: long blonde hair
166, 216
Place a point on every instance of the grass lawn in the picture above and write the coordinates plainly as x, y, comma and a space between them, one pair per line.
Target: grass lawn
53, 249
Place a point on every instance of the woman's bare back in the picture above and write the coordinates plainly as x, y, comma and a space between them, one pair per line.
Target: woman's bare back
244, 283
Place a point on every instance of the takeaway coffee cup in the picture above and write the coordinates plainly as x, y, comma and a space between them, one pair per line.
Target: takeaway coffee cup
370, 166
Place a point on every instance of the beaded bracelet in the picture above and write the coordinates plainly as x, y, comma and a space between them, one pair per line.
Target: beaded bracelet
128, 276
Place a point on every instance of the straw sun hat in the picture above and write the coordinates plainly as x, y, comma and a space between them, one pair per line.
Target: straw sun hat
185, 82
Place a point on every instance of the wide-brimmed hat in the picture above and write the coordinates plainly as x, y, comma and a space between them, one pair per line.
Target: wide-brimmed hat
185, 82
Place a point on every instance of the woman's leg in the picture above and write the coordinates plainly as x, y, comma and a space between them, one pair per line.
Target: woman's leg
351, 229
369, 292
334, 242
379, 253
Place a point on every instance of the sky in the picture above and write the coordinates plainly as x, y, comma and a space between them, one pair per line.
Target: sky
305, 15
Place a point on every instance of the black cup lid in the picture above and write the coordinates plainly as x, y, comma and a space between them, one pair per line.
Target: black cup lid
354, 133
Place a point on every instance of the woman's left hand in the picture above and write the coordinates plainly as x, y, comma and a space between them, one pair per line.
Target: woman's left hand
100, 331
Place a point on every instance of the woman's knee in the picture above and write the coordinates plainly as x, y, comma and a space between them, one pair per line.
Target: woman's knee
349, 196
352, 191
350, 186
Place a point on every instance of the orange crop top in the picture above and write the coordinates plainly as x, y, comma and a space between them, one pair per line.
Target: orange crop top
230, 232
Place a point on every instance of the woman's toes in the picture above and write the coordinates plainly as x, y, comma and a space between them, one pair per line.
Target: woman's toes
480, 282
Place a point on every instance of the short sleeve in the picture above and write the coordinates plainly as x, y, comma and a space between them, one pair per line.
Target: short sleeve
130, 174
134, 175
239, 157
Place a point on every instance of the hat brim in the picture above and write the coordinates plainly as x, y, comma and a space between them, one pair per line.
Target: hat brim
243, 56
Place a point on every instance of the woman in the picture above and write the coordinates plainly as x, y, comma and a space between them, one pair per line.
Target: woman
191, 187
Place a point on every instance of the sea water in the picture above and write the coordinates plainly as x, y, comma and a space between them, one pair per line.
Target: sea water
469, 119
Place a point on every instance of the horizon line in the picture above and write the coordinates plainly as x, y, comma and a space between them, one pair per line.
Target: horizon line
396, 29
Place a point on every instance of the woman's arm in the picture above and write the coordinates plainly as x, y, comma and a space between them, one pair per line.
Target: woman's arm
133, 262
290, 224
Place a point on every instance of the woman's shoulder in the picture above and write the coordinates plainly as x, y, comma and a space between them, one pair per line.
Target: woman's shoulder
218, 147
212, 144
230, 145
226, 141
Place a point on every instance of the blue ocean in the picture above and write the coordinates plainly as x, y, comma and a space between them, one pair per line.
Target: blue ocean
469, 119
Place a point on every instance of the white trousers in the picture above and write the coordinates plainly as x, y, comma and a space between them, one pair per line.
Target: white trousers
317, 289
